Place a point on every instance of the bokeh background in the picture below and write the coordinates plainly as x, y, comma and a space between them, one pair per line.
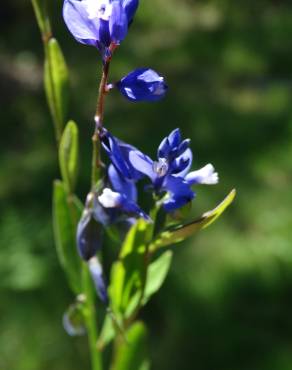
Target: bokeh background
227, 302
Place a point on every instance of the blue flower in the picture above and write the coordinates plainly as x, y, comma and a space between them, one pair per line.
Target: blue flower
96, 273
114, 200
99, 23
89, 235
122, 175
170, 173
118, 153
142, 84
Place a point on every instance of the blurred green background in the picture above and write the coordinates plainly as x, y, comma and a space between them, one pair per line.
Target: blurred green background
227, 302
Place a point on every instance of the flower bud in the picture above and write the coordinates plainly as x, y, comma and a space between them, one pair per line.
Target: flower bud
96, 272
89, 235
142, 84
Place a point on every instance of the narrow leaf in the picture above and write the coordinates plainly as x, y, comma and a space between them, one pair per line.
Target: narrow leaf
68, 155
56, 84
66, 213
112, 326
107, 333
181, 232
129, 272
156, 274
132, 355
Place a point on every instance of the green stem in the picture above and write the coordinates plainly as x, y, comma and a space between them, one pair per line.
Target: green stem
90, 320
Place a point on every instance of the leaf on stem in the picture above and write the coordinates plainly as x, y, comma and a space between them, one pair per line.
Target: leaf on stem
132, 355
156, 274
68, 155
179, 233
128, 274
66, 214
56, 84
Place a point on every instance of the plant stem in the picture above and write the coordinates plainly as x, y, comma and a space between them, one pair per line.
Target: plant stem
96, 147
90, 319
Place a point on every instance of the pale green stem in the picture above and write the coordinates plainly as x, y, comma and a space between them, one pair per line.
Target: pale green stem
90, 319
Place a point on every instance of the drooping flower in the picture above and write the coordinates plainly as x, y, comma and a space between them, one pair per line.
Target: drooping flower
170, 173
96, 273
89, 235
142, 84
99, 23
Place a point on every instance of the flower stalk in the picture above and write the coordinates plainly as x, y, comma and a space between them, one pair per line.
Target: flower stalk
90, 319
99, 114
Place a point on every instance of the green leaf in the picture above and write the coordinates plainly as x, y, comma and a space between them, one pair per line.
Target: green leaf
66, 214
178, 233
129, 272
56, 84
156, 274
40, 9
132, 355
68, 155
112, 326
107, 333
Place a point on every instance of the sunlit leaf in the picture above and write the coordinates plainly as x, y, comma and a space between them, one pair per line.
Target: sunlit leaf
56, 84
68, 155
156, 274
107, 333
66, 214
112, 327
178, 233
132, 354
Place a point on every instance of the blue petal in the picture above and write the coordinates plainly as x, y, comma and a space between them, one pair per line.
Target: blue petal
112, 148
122, 185
118, 22
104, 33
174, 203
180, 193
169, 145
174, 138
96, 273
132, 208
143, 164
163, 149
101, 214
130, 7
89, 236
142, 84
181, 165
82, 28
183, 146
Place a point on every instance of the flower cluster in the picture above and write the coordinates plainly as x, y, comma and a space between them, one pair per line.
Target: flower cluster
104, 24
169, 175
